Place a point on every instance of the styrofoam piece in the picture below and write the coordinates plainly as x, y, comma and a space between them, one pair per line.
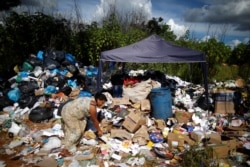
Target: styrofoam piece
15, 143
2, 164
91, 142
53, 142
15, 129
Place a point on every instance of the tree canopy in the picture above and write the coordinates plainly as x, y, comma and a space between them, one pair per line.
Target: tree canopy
23, 34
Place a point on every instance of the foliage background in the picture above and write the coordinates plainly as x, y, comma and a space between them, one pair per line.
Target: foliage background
25, 34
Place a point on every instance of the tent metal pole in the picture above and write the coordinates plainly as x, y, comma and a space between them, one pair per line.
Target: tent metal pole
205, 75
99, 76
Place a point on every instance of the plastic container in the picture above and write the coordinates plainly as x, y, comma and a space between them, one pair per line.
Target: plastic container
161, 103
27, 66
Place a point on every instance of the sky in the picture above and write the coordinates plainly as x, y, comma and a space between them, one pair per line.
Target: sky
225, 20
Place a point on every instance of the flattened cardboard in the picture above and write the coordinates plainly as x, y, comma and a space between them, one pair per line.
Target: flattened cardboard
84, 157
47, 162
145, 105
214, 138
120, 133
183, 116
180, 138
160, 124
234, 133
230, 142
141, 136
219, 150
119, 101
133, 121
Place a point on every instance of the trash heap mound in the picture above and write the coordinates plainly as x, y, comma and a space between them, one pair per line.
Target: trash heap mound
160, 120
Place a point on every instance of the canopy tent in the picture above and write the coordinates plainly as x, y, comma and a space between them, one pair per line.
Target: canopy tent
153, 49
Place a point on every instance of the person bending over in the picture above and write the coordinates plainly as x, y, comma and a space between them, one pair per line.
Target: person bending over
74, 118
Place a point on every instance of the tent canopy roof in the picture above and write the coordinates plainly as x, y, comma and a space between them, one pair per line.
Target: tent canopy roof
153, 49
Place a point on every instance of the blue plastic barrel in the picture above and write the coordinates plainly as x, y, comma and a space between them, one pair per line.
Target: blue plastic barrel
161, 103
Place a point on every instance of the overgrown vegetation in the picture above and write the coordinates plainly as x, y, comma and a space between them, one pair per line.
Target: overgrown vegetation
197, 157
25, 34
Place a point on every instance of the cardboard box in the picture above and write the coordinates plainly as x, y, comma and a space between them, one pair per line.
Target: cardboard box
234, 133
224, 103
183, 116
224, 107
141, 136
133, 121
214, 137
230, 142
160, 124
145, 105
180, 139
119, 101
120, 133
219, 150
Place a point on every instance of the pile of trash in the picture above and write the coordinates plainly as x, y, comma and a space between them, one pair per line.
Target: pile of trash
188, 126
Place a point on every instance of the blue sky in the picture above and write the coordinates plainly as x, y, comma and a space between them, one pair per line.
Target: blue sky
229, 19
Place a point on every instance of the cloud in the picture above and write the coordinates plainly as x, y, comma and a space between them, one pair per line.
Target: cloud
32, 6
124, 7
39, 4
206, 38
179, 30
246, 40
222, 12
234, 43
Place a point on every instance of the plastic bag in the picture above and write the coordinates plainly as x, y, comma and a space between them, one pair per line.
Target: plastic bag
40, 114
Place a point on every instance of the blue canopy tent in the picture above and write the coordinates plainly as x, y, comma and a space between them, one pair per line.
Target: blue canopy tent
152, 49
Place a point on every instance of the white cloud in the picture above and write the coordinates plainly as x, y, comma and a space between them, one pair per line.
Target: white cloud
45, 6
234, 43
179, 30
205, 38
246, 40
124, 7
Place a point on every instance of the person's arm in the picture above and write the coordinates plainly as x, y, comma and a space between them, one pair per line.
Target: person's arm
93, 116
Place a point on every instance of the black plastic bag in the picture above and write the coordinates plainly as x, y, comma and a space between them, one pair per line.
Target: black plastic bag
66, 90
28, 88
57, 81
204, 103
40, 114
27, 101
55, 55
72, 69
34, 61
50, 63
4, 102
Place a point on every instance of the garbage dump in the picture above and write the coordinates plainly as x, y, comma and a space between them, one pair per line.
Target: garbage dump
157, 119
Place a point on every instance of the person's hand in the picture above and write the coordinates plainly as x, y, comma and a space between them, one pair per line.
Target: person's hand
99, 133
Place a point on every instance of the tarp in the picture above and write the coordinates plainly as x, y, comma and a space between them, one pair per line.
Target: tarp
152, 49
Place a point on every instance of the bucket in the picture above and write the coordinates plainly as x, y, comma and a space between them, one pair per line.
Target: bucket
161, 103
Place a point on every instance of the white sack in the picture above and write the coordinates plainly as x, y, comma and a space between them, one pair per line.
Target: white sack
140, 91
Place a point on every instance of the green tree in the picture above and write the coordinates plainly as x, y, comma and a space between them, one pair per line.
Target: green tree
217, 53
240, 57
24, 34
